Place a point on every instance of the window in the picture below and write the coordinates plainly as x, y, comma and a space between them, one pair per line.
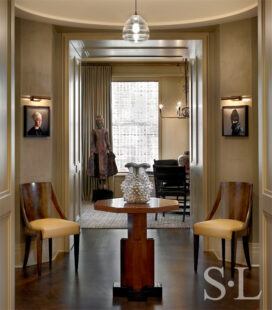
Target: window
135, 122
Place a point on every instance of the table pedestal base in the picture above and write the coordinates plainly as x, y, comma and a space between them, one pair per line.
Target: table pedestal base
137, 251
124, 291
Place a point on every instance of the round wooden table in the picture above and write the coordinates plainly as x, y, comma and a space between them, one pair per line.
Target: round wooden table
137, 251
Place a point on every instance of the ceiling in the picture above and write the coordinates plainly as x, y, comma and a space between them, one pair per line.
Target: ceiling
113, 13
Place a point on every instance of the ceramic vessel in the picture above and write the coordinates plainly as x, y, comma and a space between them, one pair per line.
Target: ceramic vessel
136, 187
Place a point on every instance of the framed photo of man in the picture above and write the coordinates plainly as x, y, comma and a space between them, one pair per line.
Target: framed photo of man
235, 121
36, 121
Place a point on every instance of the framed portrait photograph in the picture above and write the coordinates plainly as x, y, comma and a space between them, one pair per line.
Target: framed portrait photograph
235, 121
36, 121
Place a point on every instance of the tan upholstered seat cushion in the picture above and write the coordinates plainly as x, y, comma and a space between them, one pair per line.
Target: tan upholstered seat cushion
220, 228
51, 227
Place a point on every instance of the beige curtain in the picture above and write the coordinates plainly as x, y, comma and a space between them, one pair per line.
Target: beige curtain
96, 99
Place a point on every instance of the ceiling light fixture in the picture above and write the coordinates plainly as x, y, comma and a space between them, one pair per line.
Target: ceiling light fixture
135, 28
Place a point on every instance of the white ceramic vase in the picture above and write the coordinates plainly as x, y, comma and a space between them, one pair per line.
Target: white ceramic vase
136, 187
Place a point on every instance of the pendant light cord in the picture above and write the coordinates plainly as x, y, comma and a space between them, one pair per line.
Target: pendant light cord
136, 7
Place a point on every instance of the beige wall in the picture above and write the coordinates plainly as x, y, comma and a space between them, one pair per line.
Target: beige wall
237, 157
174, 133
33, 71
233, 51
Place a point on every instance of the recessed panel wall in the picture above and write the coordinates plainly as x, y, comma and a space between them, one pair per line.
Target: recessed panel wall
265, 148
267, 258
3, 95
4, 261
268, 99
6, 156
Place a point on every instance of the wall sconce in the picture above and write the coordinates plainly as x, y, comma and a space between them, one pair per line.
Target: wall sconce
236, 98
39, 98
181, 112
179, 108
233, 98
160, 107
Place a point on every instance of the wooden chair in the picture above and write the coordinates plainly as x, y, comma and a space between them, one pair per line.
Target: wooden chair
170, 181
41, 212
235, 201
166, 162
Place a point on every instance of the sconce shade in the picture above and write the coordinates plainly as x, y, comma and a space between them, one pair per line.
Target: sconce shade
233, 98
39, 98
135, 29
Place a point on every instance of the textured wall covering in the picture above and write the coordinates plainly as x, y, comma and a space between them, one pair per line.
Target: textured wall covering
237, 158
33, 72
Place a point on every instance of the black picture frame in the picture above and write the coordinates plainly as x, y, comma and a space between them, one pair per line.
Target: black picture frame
235, 121
29, 129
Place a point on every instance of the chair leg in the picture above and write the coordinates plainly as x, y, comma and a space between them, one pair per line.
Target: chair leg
223, 252
196, 247
50, 252
76, 250
27, 249
184, 207
156, 216
233, 252
39, 253
246, 250
163, 213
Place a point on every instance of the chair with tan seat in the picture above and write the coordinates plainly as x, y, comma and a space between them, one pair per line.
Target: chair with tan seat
44, 219
235, 201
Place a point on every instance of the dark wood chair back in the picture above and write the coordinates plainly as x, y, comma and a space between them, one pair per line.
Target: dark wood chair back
168, 179
166, 162
170, 174
38, 201
234, 200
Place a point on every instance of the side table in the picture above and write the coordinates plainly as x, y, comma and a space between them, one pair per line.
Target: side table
137, 251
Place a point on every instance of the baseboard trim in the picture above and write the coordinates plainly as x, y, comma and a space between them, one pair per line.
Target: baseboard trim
254, 252
20, 252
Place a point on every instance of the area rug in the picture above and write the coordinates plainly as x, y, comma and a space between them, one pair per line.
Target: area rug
91, 218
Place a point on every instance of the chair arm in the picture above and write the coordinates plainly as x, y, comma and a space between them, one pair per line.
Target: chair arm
56, 204
249, 211
23, 212
242, 232
31, 232
216, 204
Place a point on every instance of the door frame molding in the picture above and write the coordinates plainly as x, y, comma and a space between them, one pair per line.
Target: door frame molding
265, 194
7, 194
207, 176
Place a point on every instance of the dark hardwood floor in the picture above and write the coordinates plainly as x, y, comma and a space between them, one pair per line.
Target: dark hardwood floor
99, 267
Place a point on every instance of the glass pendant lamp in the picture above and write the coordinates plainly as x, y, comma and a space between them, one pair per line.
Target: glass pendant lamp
135, 28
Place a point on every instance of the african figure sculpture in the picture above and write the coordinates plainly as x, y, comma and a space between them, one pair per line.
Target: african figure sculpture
102, 160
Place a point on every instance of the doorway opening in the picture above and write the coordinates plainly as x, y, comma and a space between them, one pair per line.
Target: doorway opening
161, 61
